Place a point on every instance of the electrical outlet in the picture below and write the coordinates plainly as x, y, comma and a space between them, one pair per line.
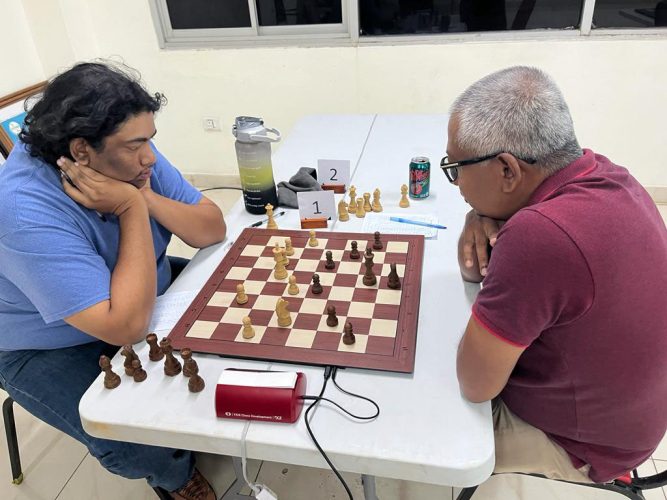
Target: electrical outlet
211, 124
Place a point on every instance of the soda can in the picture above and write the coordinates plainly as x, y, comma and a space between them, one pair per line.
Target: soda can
420, 176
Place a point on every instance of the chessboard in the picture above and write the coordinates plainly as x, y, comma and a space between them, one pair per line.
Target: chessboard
384, 319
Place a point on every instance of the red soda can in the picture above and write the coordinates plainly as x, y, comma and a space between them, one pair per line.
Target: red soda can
420, 176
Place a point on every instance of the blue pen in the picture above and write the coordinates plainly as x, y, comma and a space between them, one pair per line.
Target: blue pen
416, 222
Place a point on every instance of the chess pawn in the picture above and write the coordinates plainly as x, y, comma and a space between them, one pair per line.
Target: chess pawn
284, 317
376, 206
316, 288
354, 253
129, 355
377, 244
111, 379
352, 207
139, 373
393, 281
367, 202
271, 223
196, 383
280, 272
312, 241
289, 249
186, 354
248, 331
155, 353
343, 214
348, 335
360, 213
293, 288
332, 319
172, 366
241, 297
404, 203
329, 264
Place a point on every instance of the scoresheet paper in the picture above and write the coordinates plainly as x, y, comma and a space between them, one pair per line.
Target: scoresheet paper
380, 222
169, 308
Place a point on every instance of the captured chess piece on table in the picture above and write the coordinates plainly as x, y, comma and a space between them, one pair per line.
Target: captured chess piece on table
343, 215
282, 311
367, 202
155, 353
139, 373
195, 383
130, 356
111, 379
404, 203
172, 366
352, 206
316, 288
376, 205
271, 223
348, 335
332, 319
186, 355
393, 281
360, 213
248, 331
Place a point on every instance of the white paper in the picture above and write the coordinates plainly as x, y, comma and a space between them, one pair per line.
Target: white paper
169, 308
333, 172
316, 204
380, 222
278, 380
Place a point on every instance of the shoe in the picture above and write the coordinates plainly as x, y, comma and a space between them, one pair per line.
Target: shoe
197, 488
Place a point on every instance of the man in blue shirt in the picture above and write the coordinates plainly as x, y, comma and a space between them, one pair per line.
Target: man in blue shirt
87, 208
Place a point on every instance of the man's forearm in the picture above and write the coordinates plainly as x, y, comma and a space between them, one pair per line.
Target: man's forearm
198, 225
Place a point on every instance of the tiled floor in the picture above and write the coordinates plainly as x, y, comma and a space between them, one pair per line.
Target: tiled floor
57, 467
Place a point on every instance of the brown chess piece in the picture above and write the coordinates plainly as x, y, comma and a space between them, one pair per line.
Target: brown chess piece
155, 353
332, 319
393, 281
377, 244
172, 366
316, 288
186, 354
196, 383
348, 335
130, 356
354, 253
139, 373
330, 264
111, 379
369, 253
369, 278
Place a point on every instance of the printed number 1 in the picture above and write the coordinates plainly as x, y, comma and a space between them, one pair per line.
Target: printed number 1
335, 173
317, 207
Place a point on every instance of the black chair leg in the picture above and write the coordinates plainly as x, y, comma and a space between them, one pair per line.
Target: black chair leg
162, 494
466, 493
12, 440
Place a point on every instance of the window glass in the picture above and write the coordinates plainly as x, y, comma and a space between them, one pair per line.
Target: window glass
199, 14
629, 14
395, 17
295, 12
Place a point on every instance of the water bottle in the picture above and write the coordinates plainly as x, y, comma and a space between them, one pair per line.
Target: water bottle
253, 152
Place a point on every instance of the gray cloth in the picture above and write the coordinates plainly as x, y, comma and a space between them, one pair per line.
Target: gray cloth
304, 180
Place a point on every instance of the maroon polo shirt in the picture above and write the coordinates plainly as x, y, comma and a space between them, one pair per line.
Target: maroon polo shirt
579, 278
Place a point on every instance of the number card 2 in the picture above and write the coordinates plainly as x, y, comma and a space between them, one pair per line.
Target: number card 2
316, 205
334, 172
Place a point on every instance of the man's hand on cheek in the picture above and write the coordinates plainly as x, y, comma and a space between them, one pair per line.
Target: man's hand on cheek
96, 191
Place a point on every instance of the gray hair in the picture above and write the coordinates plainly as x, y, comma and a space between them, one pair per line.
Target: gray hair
518, 110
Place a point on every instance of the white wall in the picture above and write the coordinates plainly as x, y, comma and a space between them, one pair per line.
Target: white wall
616, 88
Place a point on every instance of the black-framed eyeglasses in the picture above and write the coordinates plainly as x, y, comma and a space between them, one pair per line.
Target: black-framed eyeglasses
451, 169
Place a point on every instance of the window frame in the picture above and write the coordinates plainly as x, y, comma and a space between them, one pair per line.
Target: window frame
346, 33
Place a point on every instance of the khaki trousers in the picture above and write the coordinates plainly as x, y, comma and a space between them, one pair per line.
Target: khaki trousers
520, 447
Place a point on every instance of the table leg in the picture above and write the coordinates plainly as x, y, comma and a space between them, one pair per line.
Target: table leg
234, 491
369, 487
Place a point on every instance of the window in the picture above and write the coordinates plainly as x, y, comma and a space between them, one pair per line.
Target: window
629, 14
207, 23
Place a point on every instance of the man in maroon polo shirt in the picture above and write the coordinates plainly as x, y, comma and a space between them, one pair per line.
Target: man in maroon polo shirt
569, 332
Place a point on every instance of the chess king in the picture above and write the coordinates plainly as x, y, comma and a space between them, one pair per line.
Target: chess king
87, 203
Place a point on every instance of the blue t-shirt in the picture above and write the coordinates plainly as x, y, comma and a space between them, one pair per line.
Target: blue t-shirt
56, 256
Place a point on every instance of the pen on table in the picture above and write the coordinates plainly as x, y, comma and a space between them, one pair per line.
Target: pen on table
416, 222
260, 222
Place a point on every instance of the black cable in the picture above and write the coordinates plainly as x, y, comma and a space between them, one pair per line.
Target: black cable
358, 417
317, 399
220, 187
354, 395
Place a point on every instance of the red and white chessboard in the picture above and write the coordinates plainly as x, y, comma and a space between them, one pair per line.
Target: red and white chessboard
384, 320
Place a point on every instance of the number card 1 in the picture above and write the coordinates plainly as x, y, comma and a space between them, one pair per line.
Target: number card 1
316, 205
334, 174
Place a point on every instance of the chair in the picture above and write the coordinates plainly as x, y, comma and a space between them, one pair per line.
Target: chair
12, 440
630, 487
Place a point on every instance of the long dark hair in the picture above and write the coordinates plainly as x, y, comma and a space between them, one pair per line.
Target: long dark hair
91, 101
